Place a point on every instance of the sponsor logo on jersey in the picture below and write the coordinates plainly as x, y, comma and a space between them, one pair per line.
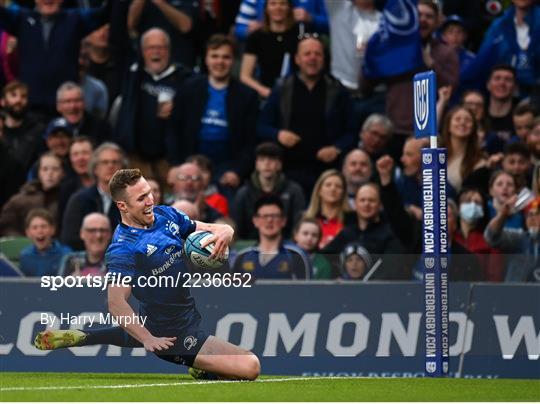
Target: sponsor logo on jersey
150, 249
190, 342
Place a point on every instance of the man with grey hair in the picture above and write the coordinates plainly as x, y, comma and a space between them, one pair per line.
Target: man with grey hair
144, 127
187, 184
174, 17
71, 106
375, 136
106, 160
96, 233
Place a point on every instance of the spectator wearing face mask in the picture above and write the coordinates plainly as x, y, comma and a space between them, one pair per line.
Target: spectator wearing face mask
524, 246
470, 234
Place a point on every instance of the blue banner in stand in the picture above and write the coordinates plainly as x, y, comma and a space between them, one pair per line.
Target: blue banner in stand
425, 104
435, 260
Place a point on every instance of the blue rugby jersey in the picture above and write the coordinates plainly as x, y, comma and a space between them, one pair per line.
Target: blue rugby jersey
290, 262
156, 252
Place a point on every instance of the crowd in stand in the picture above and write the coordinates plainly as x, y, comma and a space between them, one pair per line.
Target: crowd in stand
292, 120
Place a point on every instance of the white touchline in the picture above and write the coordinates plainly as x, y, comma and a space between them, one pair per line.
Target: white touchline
131, 386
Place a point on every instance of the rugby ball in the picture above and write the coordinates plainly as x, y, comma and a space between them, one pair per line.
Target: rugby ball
201, 256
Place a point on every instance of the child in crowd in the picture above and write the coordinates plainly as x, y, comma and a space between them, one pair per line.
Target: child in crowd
307, 235
502, 187
355, 262
43, 257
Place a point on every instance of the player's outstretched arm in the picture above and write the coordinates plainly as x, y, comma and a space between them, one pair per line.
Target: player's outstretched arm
120, 308
223, 236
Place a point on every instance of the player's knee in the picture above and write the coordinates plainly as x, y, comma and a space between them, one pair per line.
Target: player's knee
252, 367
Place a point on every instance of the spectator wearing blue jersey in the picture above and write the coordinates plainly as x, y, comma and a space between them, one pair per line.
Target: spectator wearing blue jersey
149, 243
272, 258
250, 16
513, 38
217, 116
45, 254
49, 40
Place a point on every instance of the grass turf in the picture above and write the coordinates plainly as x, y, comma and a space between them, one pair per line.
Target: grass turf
89, 387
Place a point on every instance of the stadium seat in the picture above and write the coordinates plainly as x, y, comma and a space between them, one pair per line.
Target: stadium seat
11, 247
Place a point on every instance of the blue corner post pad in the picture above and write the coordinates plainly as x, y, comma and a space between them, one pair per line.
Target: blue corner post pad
425, 102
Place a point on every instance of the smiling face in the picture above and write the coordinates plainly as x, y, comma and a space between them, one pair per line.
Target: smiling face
70, 105
41, 232
155, 51
501, 85
219, 62
96, 233
461, 124
137, 205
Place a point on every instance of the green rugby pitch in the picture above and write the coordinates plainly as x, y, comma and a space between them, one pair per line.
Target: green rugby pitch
156, 387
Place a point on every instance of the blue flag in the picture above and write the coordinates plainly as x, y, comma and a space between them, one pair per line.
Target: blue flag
395, 48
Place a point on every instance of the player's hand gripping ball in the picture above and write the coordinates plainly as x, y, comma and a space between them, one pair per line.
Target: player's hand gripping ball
201, 256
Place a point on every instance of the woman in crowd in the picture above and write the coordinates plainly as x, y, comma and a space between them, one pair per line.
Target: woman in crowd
329, 204
470, 234
40, 193
466, 163
270, 50
502, 187
475, 101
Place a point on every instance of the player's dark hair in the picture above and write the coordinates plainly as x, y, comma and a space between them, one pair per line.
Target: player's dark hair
503, 66
121, 180
269, 149
268, 199
517, 148
218, 40
42, 214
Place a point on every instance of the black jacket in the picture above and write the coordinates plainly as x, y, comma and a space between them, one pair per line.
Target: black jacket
242, 209
242, 109
380, 241
83, 202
